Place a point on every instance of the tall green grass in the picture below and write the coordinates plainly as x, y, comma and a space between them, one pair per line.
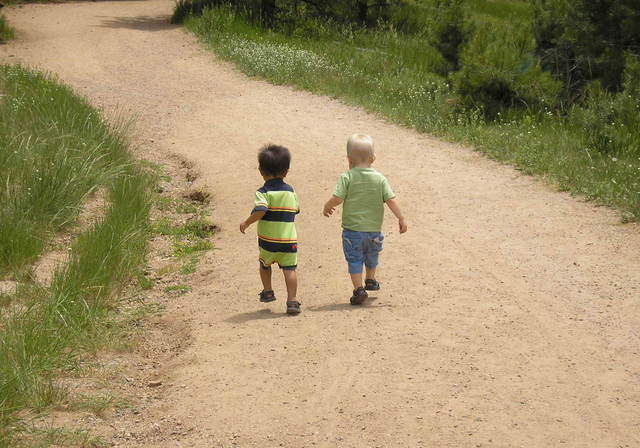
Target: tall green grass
72, 151
396, 75
56, 150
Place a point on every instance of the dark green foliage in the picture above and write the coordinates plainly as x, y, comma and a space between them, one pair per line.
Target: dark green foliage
500, 71
185, 8
448, 30
362, 12
504, 10
293, 14
263, 12
584, 40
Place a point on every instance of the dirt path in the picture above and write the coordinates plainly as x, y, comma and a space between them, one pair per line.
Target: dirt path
509, 314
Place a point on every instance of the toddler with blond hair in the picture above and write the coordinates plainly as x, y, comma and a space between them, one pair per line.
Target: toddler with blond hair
363, 191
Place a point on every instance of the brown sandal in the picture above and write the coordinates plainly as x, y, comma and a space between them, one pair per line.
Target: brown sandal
267, 296
359, 296
293, 307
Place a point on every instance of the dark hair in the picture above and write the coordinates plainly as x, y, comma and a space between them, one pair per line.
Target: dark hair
274, 160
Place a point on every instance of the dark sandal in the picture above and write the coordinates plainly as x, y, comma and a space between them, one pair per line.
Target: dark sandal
267, 296
371, 285
359, 296
293, 307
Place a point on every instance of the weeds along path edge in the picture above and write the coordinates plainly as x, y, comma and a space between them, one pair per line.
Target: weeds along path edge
54, 324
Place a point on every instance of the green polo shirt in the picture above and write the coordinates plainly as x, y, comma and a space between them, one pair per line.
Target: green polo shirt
364, 191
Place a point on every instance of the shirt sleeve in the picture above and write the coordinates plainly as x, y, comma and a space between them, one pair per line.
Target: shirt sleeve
261, 204
387, 192
297, 203
342, 187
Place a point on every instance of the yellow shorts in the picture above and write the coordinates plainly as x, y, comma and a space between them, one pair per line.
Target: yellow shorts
286, 260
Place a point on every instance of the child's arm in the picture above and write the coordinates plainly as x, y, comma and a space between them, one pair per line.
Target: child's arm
253, 217
395, 209
261, 206
331, 205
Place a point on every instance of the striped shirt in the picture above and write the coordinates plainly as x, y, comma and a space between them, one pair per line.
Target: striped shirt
277, 229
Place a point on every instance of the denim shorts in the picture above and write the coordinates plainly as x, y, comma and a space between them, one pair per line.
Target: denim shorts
361, 248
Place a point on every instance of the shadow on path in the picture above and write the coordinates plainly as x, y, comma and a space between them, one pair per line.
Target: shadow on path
369, 303
142, 23
255, 315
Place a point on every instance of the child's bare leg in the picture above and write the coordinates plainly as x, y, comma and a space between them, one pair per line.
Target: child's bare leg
356, 279
370, 273
265, 276
291, 280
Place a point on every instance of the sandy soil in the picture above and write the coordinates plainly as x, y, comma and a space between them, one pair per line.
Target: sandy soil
509, 314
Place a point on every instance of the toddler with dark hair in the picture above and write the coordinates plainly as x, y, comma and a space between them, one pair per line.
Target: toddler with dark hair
275, 209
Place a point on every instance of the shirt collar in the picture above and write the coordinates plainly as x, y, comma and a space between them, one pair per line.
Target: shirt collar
277, 181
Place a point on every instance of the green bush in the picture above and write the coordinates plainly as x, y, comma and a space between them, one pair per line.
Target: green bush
410, 18
499, 71
609, 122
504, 10
186, 8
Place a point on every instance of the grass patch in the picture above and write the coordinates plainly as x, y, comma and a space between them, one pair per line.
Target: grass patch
190, 266
97, 405
179, 206
6, 32
399, 76
184, 248
180, 289
194, 228
60, 437
144, 282
189, 239
56, 151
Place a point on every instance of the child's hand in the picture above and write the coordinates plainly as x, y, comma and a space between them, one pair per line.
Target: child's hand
328, 210
243, 226
331, 205
402, 225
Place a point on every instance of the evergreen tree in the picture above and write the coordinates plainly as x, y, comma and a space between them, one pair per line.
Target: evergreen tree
584, 40
449, 30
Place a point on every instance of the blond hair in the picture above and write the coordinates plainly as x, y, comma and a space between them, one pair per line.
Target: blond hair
360, 148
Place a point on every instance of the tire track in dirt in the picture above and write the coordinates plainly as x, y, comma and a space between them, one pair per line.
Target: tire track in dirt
508, 314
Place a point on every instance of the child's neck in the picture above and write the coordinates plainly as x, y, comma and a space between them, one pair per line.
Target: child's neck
268, 178
359, 165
